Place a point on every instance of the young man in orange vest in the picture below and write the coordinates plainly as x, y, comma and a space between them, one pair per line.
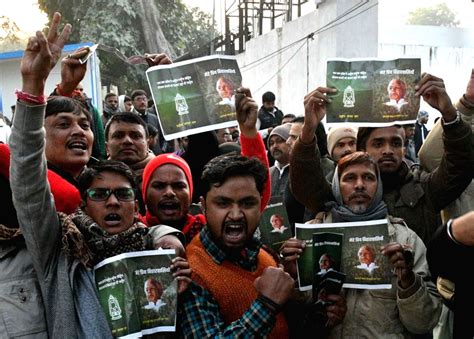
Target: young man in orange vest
238, 290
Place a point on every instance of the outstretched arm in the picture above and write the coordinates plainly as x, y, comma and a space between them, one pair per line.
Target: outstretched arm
307, 180
250, 140
31, 192
454, 172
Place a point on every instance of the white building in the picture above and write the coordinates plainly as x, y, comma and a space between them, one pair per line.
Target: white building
10, 78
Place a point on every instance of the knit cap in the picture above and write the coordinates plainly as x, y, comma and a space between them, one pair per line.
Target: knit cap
165, 159
423, 114
283, 131
337, 133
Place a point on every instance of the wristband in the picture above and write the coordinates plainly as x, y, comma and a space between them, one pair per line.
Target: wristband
270, 303
455, 121
60, 93
449, 228
30, 98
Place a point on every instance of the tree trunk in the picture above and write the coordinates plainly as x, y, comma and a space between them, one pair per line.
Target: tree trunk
155, 41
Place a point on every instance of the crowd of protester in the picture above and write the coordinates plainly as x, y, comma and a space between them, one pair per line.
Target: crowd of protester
79, 186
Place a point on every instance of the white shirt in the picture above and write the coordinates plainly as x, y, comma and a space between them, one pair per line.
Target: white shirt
396, 104
279, 168
369, 268
154, 306
279, 230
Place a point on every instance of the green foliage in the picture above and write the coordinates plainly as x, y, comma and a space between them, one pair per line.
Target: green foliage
439, 15
186, 29
116, 23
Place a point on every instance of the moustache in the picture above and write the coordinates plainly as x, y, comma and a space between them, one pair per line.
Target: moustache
357, 195
387, 159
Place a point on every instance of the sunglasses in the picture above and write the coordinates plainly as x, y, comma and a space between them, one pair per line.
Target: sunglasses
103, 194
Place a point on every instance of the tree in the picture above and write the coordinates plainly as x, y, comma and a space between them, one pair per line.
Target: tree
439, 15
11, 37
134, 27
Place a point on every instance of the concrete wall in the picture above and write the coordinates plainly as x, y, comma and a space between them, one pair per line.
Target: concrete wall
293, 72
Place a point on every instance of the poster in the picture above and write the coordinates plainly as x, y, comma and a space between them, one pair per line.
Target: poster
274, 224
138, 293
361, 261
195, 96
373, 92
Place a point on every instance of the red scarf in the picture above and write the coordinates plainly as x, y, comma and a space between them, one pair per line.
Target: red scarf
192, 227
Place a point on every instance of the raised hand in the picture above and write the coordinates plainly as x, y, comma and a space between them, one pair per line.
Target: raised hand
314, 111
181, 272
72, 71
157, 59
41, 54
290, 251
336, 311
402, 261
247, 111
433, 91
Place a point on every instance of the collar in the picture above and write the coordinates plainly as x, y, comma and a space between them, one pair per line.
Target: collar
247, 258
281, 169
140, 114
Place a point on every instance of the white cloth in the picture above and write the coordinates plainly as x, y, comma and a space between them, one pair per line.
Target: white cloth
5, 131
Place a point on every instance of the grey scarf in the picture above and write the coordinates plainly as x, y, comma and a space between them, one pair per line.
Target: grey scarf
340, 213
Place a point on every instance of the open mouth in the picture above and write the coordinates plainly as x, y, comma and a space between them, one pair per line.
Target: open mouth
234, 233
77, 145
169, 207
112, 219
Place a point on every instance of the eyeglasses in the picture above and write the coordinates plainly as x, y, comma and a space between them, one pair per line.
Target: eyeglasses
103, 194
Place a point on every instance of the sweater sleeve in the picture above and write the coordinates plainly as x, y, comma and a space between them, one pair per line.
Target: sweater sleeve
307, 181
454, 173
420, 304
254, 147
32, 197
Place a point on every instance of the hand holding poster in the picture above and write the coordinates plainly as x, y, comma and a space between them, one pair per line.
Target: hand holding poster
359, 243
138, 293
195, 96
373, 92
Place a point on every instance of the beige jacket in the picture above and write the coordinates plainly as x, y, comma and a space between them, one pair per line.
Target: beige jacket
396, 312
